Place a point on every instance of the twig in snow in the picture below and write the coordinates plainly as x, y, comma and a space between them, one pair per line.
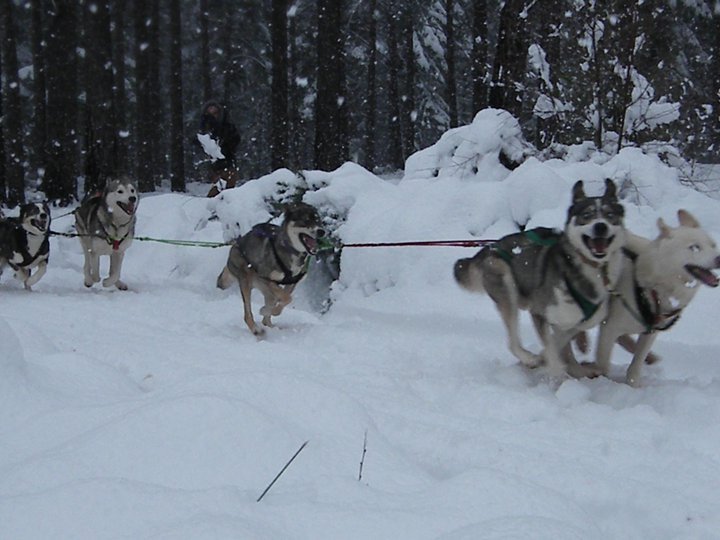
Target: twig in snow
362, 459
282, 471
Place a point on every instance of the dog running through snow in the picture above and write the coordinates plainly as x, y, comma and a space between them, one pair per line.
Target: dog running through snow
563, 278
273, 259
25, 243
105, 223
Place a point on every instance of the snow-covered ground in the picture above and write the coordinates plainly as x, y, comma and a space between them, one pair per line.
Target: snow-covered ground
154, 413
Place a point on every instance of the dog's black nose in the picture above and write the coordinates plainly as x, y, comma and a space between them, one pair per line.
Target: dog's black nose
600, 229
320, 233
132, 199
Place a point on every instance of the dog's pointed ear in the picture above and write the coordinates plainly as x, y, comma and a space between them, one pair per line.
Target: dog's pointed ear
578, 192
686, 219
665, 229
610, 190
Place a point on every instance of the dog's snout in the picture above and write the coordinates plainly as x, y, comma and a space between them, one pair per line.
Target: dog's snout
132, 198
320, 233
600, 229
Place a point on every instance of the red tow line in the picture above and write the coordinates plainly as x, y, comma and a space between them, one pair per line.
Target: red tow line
427, 243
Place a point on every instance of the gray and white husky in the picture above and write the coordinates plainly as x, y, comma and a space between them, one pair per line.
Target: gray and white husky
25, 243
273, 259
659, 281
105, 223
563, 278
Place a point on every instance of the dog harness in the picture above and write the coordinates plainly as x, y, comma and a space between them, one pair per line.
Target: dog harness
27, 258
543, 236
270, 231
96, 199
648, 314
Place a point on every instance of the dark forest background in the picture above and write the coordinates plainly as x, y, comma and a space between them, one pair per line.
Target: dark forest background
92, 89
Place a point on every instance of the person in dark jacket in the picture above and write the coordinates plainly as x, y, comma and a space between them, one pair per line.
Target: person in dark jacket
214, 122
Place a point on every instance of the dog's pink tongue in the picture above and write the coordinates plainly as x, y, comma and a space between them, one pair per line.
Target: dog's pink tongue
310, 243
704, 275
599, 244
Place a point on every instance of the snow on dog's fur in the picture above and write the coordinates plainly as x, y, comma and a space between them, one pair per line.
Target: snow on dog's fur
659, 281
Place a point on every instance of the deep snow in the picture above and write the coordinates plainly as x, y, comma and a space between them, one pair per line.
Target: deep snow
154, 413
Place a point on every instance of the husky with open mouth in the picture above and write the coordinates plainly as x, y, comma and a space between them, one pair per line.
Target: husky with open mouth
105, 223
273, 259
25, 244
661, 278
564, 279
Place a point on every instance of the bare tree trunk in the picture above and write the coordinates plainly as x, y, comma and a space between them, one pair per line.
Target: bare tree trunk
100, 107
371, 95
144, 102
716, 76
295, 98
479, 55
330, 116
450, 75
3, 180
120, 93
228, 31
510, 56
205, 50
15, 158
395, 153
279, 85
60, 181
408, 100
39, 131
625, 97
158, 137
177, 139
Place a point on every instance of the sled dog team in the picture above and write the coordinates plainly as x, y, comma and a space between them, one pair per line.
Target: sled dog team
592, 273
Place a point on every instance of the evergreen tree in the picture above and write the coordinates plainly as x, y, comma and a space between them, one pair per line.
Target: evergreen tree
15, 153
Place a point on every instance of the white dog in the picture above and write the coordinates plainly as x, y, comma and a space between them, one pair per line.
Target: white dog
655, 288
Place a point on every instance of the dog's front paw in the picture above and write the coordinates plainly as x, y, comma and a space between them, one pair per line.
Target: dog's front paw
258, 332
121, 285
88, 283
652, 358
530, 360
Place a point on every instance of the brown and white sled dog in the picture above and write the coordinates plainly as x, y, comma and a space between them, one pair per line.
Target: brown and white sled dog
25, 243
661, 278
273, 259
105, 223
563, 278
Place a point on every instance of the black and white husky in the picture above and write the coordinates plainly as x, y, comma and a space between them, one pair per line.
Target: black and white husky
273, 259
25, 244
564, 279
105, 223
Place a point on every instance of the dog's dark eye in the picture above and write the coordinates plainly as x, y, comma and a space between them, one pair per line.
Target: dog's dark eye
120, 191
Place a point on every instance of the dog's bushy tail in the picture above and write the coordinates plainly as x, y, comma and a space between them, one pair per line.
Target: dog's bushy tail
468, 273
225, 279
